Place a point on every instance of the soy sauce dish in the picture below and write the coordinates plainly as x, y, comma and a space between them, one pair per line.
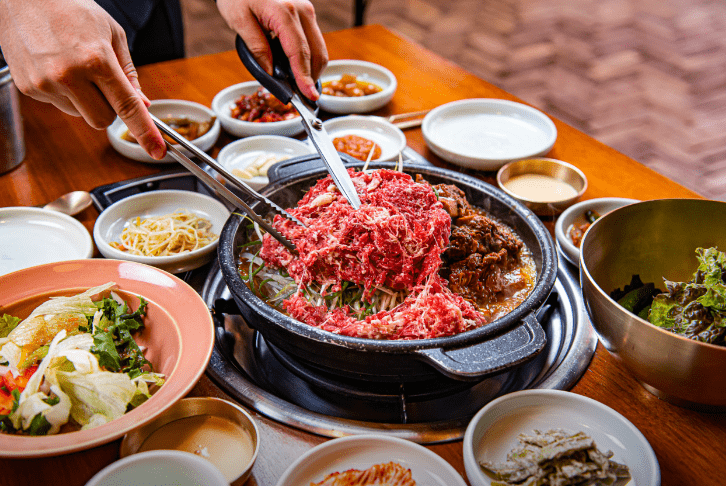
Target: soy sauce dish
546, 186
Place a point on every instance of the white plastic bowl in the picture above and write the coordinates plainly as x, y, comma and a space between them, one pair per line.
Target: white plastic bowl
485, 134
223, 103
160, 468
364, 71
112, 221
164, 109
493, 431
241, 153
386, 135
576, 213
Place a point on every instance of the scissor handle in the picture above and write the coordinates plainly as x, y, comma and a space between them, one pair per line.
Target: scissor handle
282, 81
278, 83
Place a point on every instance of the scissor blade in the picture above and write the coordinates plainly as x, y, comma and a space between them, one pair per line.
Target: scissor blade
326, 149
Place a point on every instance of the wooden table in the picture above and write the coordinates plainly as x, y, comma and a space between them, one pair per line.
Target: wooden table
64, 154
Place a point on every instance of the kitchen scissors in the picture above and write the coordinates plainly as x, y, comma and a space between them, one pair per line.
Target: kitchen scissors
283, 86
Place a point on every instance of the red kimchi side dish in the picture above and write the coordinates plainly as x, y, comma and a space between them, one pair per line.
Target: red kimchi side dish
415, 261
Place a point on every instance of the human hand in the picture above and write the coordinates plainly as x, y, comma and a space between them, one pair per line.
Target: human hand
294, 23
72, 54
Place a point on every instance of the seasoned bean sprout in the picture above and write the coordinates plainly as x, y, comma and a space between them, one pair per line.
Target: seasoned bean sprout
170, 234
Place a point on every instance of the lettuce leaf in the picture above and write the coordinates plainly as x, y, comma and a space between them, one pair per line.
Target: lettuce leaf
97, 398
697, 308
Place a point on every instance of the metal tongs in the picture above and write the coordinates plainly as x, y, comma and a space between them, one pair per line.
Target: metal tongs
283, 86
213, 183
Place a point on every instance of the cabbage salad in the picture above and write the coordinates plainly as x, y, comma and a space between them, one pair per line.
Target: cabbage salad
72, 361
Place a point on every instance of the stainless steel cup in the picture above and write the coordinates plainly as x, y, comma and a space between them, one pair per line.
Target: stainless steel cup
12, 144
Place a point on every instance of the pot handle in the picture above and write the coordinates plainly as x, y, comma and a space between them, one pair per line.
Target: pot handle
299, 166
522, 343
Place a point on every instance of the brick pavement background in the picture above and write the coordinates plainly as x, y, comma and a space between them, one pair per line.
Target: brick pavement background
647, 77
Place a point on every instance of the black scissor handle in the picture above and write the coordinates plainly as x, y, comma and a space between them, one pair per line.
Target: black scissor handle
277, 84
282, 82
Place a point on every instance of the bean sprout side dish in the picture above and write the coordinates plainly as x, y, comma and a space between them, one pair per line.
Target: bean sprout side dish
415, 261
166, 235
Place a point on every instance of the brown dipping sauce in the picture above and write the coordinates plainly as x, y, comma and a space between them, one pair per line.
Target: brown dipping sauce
350, 86
189, 129
357, 147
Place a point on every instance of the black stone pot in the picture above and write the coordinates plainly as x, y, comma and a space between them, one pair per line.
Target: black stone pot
510, 341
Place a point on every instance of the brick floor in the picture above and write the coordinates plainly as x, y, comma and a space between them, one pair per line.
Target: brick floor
647, 77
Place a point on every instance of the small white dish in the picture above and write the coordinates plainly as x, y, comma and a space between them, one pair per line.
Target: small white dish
33, 236
575, 214
388, 137
224, 101
484, 134
493, 431
239, 154
363, 71
363, 451
112, 221
160, 468
165, 109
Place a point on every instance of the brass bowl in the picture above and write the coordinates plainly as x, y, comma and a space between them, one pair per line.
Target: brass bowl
557, 169
240, 424
655, 239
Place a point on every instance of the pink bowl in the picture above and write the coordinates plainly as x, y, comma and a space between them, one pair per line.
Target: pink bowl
178, 324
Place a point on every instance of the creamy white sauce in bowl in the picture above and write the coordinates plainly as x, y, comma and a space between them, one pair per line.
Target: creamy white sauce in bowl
546, 186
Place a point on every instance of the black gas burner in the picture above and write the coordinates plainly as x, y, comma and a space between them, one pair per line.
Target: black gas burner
282, 387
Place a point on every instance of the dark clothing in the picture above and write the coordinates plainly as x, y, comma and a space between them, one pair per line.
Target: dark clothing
153, 28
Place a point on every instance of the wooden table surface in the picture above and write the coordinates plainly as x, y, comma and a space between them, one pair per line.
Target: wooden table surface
64, 154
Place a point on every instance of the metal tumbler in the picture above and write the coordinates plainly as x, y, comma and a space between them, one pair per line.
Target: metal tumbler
12, 145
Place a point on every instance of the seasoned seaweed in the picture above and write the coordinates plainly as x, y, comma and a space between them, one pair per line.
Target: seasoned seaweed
556, 458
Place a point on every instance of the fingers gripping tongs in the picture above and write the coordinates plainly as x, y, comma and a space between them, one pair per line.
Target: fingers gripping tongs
283, 86
220, 188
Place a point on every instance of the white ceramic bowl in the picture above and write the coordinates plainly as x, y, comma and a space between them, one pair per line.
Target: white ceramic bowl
576, 214
364, 71
241, 153
363, 451
485, 134
160, 468
223, 103
112, 221
164, 109
493, 431
33, 236
387, 136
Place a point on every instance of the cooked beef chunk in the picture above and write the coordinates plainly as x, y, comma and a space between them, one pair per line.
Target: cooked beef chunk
480, 250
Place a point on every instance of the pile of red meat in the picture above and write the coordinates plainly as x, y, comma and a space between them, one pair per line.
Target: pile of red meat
395, 240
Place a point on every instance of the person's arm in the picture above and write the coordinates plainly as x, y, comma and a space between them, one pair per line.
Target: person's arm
72, 54
293, 22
